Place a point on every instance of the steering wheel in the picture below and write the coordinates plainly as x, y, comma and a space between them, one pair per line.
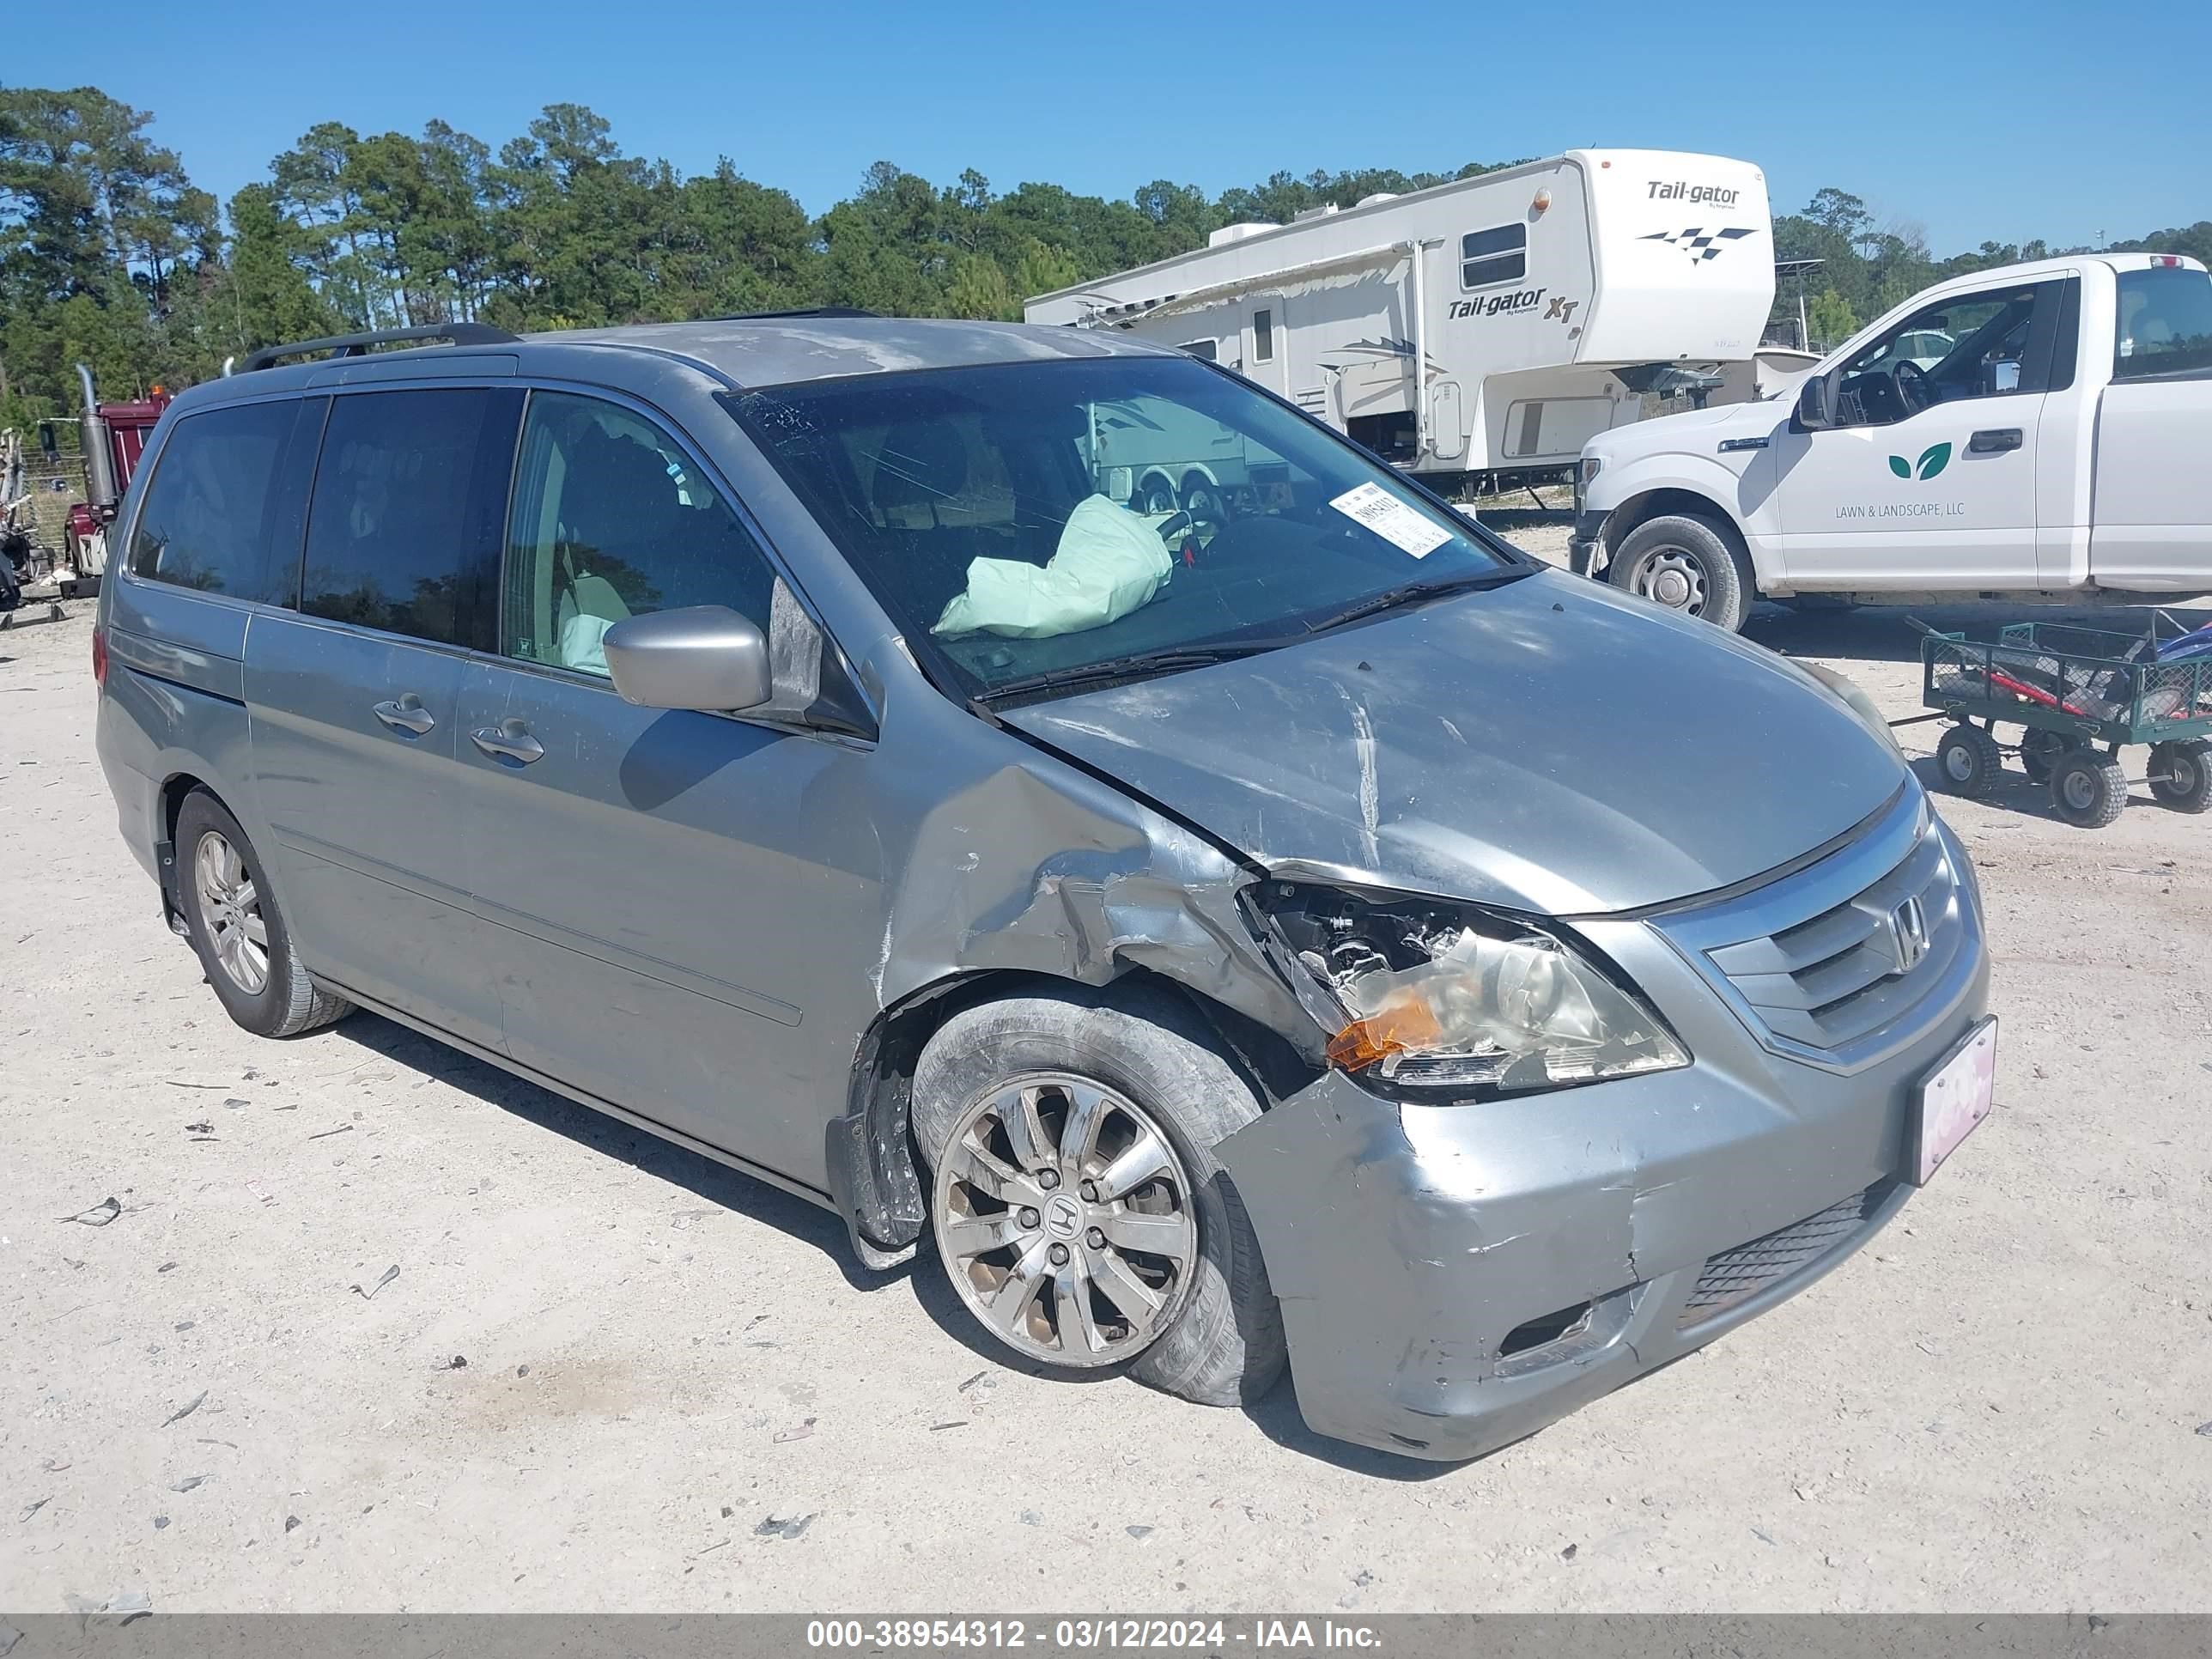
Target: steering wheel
1914, 390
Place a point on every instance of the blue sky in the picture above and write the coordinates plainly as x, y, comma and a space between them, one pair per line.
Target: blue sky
2002, 123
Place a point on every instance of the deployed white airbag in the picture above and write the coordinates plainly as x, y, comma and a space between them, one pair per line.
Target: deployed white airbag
1109, 562
580, 646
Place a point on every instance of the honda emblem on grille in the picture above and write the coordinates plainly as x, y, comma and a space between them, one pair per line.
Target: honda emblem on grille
1908, 934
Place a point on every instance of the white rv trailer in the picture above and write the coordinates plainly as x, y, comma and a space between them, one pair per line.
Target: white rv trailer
1542, 301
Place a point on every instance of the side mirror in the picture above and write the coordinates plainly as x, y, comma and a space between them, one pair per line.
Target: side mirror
48, 445
1816, 402
704, 656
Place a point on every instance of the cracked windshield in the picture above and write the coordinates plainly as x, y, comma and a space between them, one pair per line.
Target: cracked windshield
1040, 526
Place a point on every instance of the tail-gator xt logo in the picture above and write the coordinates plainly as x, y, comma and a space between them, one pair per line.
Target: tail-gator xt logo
1562, 308
1933, 460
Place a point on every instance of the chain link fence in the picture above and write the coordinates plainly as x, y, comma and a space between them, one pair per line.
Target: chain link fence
46, 486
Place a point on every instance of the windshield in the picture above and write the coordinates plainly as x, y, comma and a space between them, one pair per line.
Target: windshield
1026, 523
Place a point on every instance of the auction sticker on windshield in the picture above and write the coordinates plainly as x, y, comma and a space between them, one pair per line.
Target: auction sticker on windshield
1391, 519
1955, 1097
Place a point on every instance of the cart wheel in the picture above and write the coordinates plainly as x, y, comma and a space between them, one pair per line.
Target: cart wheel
1970, 760
2040, 752
2181, 775
2088, 789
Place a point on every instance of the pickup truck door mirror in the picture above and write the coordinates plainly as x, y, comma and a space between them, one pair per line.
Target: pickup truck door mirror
1816, 402
705, 656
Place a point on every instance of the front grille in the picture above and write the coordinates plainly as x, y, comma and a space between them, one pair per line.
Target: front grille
1734, 1275
1826, 961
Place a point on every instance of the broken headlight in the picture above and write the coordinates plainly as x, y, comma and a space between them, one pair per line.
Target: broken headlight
1440, 996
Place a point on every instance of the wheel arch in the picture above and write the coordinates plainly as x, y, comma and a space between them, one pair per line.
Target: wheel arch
1157, 471
873, 1172
170, 801
1650, 487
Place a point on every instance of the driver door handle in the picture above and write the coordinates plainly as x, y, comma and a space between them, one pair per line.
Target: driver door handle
405, 714
1994, 441
508, 740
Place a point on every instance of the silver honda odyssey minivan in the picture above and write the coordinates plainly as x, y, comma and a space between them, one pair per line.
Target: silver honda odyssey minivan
1060, 807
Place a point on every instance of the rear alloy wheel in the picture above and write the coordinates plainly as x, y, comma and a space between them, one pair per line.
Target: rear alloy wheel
2088, 789
230, 911
237, 929
1066, 1221
1687, 564
2181, 775
1970, 761
1156, 496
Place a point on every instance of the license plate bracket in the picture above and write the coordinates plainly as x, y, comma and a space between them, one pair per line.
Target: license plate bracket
1951, 1100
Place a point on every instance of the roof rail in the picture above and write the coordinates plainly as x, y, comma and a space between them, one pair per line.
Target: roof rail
804, 310
356, 345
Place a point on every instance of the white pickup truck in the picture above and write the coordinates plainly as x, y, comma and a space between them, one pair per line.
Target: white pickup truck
2042, 429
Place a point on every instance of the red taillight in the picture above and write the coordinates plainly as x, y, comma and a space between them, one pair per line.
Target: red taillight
2165, 261
100, 656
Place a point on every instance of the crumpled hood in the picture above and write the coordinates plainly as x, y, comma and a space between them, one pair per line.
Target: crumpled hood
1550, 746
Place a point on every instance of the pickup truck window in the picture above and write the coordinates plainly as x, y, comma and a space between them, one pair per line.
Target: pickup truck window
2164, 324
1971, 345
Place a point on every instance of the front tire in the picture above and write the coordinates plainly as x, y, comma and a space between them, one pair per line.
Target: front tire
2088, 789
2181, 775
1970, 761
1689, 564
232, 918
1078, 1209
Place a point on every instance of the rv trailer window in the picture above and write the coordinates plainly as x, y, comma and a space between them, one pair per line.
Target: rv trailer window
1487, 258
1263, 336
1204, 351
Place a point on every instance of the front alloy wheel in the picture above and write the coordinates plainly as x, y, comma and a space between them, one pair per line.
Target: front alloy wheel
1065, 1220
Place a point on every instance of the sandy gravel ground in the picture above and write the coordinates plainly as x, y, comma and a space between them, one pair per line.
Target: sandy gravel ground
611, 1376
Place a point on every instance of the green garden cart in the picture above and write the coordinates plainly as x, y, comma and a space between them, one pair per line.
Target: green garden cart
2079, 696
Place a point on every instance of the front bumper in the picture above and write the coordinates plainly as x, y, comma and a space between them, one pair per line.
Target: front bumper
1587, 541
1455, 1276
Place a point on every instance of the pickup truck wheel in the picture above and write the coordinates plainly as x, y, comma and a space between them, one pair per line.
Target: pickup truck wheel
1689, 564
1078, 1207
2088, 789
2181, 775
237, 931
1970, 761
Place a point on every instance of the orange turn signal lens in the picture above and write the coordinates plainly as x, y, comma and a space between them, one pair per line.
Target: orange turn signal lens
1403, 1024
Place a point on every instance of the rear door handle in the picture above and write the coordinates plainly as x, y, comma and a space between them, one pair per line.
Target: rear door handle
508, 740
405, 714
1994, 441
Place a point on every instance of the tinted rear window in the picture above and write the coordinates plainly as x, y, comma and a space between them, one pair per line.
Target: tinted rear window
224, 508
404, 533
2165, 324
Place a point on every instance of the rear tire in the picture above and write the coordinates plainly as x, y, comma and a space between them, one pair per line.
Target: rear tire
232, 918
1222, 1343
1970, 761
2088, 789
1686, 563
2181, 775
